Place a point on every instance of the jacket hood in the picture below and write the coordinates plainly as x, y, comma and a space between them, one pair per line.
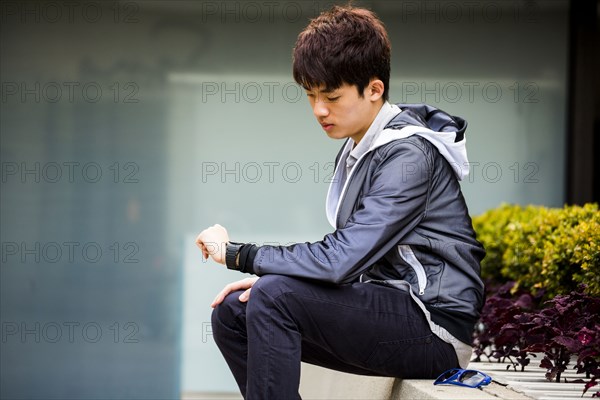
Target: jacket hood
444, 131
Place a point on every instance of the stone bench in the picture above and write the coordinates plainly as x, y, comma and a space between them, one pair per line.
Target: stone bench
323, 384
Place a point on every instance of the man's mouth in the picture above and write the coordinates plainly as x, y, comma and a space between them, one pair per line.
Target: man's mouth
326, 126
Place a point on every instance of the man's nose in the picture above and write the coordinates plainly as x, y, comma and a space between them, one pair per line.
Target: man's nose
320, 108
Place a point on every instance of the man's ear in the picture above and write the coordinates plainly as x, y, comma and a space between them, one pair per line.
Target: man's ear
375, 90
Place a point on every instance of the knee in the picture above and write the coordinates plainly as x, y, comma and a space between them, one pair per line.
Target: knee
270, 287
269, 295
229, 315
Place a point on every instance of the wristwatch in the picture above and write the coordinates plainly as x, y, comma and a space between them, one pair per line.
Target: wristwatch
231, 254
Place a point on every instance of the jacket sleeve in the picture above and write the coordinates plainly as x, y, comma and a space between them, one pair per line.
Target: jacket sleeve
393, 206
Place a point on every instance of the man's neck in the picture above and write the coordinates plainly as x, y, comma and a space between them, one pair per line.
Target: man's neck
375, 113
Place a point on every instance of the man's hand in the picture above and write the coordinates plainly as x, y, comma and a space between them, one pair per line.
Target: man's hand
232, 287
212, 241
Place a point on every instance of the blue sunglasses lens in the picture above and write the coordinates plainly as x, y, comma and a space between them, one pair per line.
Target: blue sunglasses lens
446, 375
471, 378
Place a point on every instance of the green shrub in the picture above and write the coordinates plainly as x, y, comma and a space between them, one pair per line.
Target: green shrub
490, 228
553, 249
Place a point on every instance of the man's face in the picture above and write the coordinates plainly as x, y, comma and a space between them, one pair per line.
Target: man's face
342, 112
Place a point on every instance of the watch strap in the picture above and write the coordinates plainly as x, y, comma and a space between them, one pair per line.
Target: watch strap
232, 250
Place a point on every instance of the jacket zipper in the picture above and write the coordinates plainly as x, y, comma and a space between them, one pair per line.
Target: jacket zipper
407, 254
346, 185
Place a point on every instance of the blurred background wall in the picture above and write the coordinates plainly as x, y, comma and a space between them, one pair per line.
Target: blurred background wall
127, 127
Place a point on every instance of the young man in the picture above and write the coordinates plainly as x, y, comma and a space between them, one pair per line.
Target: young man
395, 289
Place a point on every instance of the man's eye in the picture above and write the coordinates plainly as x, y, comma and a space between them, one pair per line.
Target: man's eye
333, 98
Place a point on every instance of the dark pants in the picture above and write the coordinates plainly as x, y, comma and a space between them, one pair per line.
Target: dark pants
360, 328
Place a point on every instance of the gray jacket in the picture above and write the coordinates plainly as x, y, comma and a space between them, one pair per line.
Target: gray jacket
401, 216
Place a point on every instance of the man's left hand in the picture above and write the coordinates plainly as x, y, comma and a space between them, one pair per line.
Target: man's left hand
213, 241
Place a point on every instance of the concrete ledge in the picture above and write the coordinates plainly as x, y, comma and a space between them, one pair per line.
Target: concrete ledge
318, 383
425, 390
323, 384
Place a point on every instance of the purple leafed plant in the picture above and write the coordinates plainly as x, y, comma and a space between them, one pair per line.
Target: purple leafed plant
513, 328
500, 332
588, 361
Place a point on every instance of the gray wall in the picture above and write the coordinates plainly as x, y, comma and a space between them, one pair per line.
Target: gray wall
197, 122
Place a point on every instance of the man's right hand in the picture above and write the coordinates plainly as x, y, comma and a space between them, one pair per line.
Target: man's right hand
232, 287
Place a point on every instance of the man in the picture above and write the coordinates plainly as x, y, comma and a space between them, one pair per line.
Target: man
395, 289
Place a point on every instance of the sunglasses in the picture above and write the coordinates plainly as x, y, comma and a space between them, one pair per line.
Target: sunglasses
463, 377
